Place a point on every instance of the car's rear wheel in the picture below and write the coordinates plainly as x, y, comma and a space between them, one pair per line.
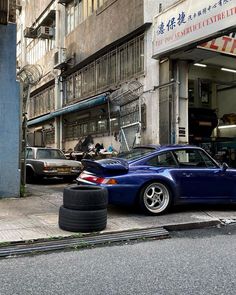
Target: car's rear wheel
155, 198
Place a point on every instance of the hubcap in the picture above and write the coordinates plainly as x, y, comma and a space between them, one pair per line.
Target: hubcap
156, 197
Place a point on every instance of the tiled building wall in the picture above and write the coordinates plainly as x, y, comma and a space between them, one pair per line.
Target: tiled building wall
9, 114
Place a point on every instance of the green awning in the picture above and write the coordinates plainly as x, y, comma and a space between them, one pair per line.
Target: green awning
82, 105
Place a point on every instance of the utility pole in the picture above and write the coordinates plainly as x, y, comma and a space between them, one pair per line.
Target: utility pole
29, 76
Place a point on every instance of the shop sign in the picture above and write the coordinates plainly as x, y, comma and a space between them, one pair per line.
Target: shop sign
224, 44
191, 21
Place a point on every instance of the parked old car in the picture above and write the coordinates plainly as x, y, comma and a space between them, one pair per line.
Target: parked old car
156, 177
49, 162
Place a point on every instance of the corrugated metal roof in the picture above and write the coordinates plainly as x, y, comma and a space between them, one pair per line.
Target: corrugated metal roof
4, 11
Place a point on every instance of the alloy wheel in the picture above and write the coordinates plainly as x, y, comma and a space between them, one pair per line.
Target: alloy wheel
156, 197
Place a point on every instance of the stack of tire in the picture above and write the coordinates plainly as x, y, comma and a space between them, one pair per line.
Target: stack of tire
84, 209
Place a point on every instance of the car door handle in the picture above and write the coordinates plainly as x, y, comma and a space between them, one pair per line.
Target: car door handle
185, 174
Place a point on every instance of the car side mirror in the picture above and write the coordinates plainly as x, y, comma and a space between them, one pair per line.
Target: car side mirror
224, 166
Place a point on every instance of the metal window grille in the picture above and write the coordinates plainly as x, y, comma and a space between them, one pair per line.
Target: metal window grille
118, 65
49, 136
42, 103
74, 129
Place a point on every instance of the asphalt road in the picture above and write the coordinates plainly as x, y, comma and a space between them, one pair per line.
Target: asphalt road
191, 262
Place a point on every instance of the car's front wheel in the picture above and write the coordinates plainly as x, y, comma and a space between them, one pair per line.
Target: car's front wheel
155, 198
30, 176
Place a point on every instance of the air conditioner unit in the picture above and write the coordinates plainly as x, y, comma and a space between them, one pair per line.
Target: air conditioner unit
60, 58
30, 32
45, 32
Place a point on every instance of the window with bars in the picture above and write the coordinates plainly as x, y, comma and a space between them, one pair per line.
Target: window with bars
42, 103
49, 136
70, 89
118, 65
74, 15
78, 86
75, 129
37, 48
88, 79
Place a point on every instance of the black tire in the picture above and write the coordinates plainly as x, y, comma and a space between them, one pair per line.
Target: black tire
85, 197
155, 198
82, 221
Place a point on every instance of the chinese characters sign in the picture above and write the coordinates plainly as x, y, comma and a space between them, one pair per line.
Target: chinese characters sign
191, 21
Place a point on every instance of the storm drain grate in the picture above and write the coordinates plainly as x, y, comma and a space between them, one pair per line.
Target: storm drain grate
82, 242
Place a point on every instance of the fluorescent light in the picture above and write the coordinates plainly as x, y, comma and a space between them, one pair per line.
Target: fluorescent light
228, 70
227, 126
200, 65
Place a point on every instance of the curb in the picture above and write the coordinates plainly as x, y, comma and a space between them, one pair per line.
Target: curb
68, 243
192, 225
36, 247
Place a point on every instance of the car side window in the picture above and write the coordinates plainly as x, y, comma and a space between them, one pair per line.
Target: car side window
188, 158
29, 154
162, 160
208, 161
193, 158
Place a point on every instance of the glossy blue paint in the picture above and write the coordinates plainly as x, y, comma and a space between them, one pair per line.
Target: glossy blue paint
196, 178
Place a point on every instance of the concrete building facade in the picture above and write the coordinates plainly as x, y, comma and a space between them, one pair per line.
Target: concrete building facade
127, 72
92, 49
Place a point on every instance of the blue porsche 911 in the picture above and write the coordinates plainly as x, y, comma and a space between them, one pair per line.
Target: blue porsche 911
157, 177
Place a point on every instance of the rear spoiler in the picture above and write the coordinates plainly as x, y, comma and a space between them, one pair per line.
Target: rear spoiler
108, 166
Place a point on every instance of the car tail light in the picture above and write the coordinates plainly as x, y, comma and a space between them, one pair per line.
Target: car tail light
98, 180
46, 167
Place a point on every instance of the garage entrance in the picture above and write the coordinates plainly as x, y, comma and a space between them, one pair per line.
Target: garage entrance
196, 47
212, 96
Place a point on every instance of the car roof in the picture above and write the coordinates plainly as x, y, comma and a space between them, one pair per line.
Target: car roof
178, 146
43, 148
168, 147
161, 148
148, 146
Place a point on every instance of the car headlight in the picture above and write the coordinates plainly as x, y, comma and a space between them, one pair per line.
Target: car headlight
48, 168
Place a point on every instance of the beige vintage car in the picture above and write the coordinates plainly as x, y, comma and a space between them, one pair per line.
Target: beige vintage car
50, 162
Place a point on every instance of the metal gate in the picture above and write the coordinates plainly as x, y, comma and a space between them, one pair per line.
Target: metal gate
128, 97
167, 112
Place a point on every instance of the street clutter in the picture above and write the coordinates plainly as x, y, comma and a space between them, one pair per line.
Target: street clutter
88, 149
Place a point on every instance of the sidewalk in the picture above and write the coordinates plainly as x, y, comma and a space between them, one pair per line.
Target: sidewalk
36, 217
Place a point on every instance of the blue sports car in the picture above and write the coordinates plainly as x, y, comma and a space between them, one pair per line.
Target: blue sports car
157, 177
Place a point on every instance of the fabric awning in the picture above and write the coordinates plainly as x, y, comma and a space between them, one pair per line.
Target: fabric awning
82, 105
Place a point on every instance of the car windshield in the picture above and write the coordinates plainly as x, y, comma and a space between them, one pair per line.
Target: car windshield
135, 153
49, 154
